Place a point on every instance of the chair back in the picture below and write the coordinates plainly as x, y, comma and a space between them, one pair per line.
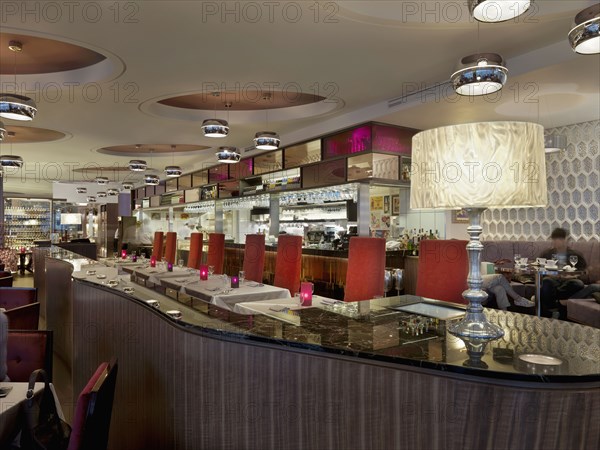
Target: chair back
254, 257
25, 317
366, 269
171, 247
288, 264
442, 270
157, 246
216, 251
13, 297
195, 256
28, 350
6, 279
91, 422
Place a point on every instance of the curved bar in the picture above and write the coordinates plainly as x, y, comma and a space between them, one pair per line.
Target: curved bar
264, 383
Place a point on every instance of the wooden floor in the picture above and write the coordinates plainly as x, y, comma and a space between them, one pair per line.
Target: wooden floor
61, 381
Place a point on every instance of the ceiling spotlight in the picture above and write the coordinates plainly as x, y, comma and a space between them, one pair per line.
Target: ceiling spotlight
14, 106
101, 180
151, 180
555, 143
91, 199
2, 131
481, 74
137, 165
127, 185
112, 191
228, 155
11, 161
266, 140
101, 194
585, 36
81, 190
216, 128
498, 10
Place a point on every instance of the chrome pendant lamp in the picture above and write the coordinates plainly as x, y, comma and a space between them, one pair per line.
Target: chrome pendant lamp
15, 106
585, 36
216, 128
11, 160
266, 140
480, 74
81, 190
101, 181
151, 179
127, 185
173, 171
228, 155
498, 10
2, 131
112, 191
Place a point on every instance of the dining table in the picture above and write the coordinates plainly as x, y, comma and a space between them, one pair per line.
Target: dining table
10, 408
217, 290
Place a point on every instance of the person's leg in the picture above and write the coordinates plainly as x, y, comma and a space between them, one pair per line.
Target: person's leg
568, 287
508, 288
549, 295
586, 292
501, 298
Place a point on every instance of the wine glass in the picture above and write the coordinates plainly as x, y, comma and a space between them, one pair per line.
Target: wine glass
517, 258
211, 270
242, 276
573, 260
180, 263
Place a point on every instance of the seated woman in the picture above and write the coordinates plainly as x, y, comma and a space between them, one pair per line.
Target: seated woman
500, 287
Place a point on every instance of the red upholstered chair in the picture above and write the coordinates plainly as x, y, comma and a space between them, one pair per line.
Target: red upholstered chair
91, 422
25, 317
13, 297
157, 246
6, 279
171, 247
442, 270
366, 269
195, 256
216, 252
288, 264
254, 257
28, 351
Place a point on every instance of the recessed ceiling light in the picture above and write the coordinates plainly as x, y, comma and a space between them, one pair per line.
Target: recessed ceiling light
585, 36
228, 155
101, 194
91, 199
498, 10
112, 191
81, 190
481, 74
127, 185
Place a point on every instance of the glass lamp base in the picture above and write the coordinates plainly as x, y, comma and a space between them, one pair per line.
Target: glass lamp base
476, 326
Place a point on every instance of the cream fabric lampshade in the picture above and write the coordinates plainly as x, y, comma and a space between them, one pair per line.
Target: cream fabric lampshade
479, 165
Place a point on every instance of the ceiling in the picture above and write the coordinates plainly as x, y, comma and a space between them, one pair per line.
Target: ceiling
367, 59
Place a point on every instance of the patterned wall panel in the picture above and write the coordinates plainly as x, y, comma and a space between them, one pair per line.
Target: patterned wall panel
573, 193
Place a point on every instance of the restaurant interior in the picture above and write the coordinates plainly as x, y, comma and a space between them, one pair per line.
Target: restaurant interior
378, 230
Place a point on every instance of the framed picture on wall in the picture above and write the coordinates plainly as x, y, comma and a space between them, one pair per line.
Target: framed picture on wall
395, 205
405, 168
460, 216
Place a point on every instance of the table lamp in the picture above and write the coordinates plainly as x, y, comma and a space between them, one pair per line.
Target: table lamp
473, 167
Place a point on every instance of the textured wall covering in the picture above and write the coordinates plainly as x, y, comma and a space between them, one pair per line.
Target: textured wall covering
573, 193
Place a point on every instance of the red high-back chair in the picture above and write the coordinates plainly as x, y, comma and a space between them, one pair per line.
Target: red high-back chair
288, 265
216, 252
442, 270
26, 317
157, 246
27, 351
366, 269
195, 256
254, 257
171, 247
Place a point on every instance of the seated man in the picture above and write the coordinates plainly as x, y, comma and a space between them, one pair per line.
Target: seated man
560, 288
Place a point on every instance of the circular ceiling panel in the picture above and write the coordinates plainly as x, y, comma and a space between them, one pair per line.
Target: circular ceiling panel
43, 55
30, 135
150, 149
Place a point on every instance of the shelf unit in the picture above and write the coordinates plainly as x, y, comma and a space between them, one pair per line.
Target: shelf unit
26, 221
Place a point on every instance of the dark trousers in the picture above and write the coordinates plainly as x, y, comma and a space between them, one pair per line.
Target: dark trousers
553, 290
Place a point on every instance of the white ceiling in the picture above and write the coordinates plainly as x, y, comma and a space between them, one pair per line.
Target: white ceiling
367, 53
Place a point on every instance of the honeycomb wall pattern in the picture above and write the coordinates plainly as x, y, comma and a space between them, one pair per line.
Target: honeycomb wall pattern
573, 193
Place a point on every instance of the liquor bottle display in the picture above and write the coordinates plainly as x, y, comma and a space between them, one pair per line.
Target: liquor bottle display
26, 221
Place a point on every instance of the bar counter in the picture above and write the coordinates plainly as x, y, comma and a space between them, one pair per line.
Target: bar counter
341, 376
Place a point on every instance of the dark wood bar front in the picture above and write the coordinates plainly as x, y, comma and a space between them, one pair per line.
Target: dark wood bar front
201, 382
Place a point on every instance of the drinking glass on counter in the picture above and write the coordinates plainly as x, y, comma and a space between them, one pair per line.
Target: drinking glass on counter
242, 276
517, 258
211, 270
573, 259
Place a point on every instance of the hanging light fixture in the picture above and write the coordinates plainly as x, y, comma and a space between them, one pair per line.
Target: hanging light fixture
173, 171
482, 73
81, 190
11, 160
555, 143
585, 36
151, 180
266, 140
91, 199
2, 131
215, 128
127, 185
137, 165
112, 192
498, 10
228, 155
14, 106
102, 181
101, 194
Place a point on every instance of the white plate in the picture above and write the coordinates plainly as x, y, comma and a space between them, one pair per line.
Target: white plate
540, 359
